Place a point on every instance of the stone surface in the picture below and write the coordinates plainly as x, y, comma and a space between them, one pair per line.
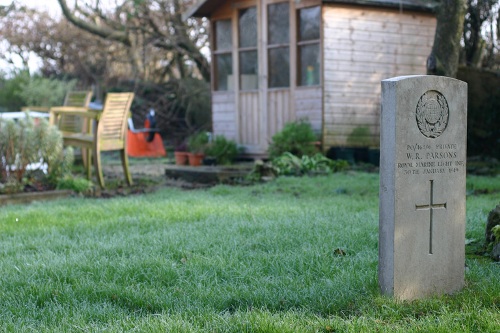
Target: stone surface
422, 186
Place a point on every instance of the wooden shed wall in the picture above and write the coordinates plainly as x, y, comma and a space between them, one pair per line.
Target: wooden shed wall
224, 114
363, 46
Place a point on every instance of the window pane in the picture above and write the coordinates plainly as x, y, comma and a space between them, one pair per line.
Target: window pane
279, 67
223, 35
309, 23
248, 70
248, 27
278, 22
224, 71
309, 65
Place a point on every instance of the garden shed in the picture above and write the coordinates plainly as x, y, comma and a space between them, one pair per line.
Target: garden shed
276, 61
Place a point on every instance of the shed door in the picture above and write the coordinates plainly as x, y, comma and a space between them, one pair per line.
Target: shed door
250, 122
278, 39
250, 110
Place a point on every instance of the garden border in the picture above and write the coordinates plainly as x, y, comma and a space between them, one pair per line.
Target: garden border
28, 197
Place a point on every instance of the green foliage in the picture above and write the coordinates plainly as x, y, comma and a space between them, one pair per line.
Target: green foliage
22, 90
197, 143
225, 151
76, 184
296, 138
41, 91
483, 116
17, 148
496, 232
24, 143
10, 89
289, 164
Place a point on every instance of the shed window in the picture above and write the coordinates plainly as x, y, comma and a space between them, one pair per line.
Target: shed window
247, 40
309, 46
223, 57
278, 45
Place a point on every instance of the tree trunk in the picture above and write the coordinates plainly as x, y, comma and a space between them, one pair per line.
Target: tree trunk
444, 57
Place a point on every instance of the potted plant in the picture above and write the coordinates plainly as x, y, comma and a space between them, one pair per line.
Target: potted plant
181, 154
197, 144
224, 151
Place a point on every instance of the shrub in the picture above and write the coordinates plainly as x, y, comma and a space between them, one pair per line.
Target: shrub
10, 89
483, 134
223, 150
27, 148
289, 164
41, 91
296, 138
198, 142
77, 184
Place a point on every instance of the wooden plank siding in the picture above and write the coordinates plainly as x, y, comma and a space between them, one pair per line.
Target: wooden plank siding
363, 46
224, 114
250, 123
309, 105
279, 111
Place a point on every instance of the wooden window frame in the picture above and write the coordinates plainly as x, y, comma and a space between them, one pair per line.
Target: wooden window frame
280, 45
216, 52
248, 48
305, 43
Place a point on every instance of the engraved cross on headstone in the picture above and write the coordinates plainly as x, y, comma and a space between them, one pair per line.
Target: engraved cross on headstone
431, 206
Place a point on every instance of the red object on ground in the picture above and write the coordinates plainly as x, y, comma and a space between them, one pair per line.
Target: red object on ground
138, 146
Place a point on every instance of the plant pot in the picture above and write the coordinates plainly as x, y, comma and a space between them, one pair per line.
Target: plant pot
195, 159
181, 157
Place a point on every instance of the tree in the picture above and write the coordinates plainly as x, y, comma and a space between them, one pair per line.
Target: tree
478, 12
444, 57
479, 40
142, 25
64, 50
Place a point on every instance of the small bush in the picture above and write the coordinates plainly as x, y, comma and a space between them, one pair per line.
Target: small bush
41, 91
223, 150
198, 142
296, 138
26, 148
77, 184
289, 164
10, 90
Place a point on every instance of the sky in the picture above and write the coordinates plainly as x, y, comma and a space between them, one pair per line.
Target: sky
52, 6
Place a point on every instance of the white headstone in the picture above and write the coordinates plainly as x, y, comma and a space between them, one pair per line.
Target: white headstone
422, 186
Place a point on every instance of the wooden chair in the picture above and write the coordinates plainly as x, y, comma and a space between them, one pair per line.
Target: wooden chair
110, 132
36, 108
73, 99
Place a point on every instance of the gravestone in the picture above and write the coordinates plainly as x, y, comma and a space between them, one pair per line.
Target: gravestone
422, 186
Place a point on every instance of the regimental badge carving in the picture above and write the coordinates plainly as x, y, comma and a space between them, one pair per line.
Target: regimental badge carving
432, 114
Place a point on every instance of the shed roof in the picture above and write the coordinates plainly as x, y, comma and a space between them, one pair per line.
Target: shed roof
204, 8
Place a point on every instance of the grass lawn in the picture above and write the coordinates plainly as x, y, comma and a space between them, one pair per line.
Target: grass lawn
294, 255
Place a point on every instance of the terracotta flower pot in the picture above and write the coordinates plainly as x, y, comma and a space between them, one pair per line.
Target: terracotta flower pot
195, 159
181, 157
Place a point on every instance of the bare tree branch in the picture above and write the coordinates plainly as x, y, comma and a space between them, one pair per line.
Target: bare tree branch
101, 31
